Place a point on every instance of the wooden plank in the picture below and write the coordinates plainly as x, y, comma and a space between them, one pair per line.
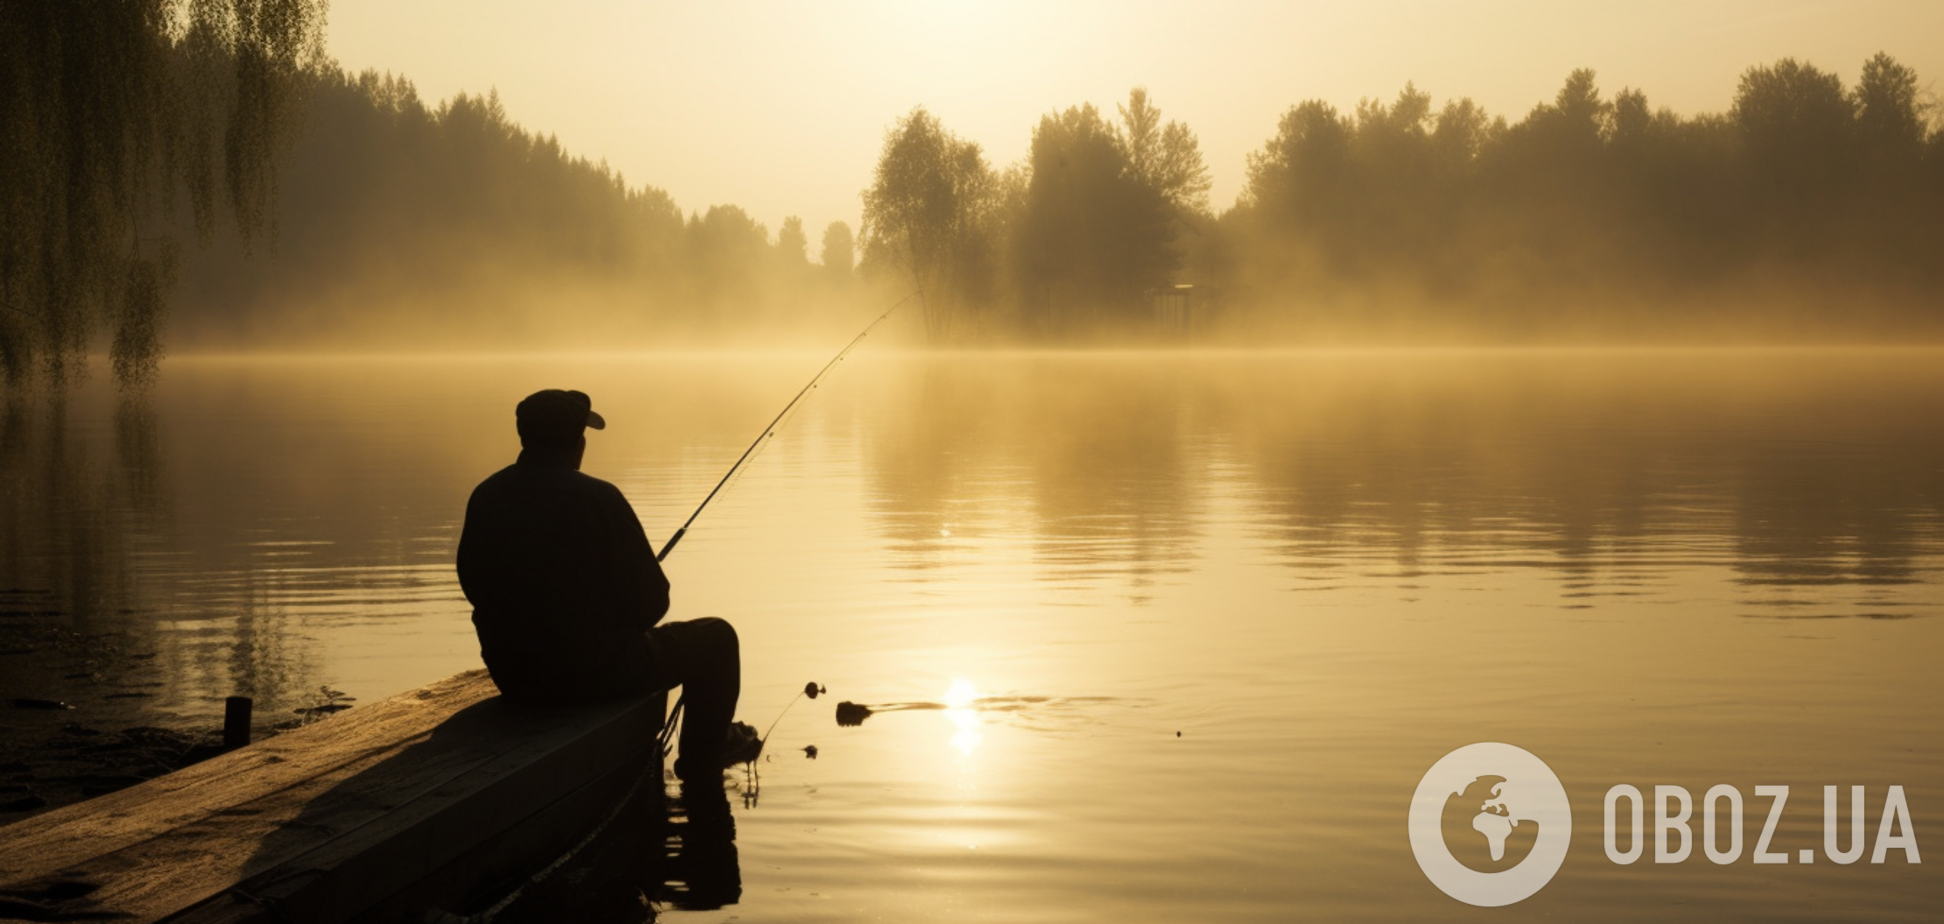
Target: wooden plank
389, 842
68, 836
326, 821
400, 880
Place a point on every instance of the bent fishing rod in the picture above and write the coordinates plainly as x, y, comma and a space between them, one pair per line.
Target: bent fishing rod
770, 431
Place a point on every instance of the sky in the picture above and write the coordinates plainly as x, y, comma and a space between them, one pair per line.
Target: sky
781, 108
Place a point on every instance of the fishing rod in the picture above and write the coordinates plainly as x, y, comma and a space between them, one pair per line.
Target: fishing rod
668, 725
674, 715
770, 431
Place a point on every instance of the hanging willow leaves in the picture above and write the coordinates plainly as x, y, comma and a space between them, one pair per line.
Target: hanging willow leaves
138, 331
111, 111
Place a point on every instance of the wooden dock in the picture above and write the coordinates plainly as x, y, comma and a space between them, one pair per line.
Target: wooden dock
436, 797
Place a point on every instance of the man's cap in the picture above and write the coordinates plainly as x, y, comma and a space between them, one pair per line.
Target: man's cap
557, 413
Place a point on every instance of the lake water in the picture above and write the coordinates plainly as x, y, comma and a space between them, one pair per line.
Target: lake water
1218, 613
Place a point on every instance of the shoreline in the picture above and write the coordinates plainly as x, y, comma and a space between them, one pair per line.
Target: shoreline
73, 719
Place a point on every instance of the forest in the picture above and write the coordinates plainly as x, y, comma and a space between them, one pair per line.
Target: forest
1808, 211
201, 177
405, 225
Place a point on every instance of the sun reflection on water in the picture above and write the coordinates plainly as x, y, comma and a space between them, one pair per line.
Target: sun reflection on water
958, 709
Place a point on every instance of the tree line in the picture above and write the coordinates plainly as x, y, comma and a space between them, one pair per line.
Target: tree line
1068, 242
332, 207
430, 226
200, 167
1807, 205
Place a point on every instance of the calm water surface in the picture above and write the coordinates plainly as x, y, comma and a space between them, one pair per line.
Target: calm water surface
1218, 613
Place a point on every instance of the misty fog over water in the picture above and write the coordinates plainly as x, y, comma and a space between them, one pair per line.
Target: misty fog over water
1324, 569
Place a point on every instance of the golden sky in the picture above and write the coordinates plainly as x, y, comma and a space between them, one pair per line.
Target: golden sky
781, 107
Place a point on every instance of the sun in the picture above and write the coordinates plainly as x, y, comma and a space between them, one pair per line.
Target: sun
961, 694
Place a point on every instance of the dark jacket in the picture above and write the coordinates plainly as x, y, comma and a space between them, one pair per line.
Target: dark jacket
562, 581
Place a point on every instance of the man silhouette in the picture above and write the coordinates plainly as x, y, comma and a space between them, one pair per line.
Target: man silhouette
568, 597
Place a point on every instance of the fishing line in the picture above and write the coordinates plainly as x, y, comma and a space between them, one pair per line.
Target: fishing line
769, 432
674, 715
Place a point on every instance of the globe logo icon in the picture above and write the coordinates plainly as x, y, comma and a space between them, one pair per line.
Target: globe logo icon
1487, 828
1490, 824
